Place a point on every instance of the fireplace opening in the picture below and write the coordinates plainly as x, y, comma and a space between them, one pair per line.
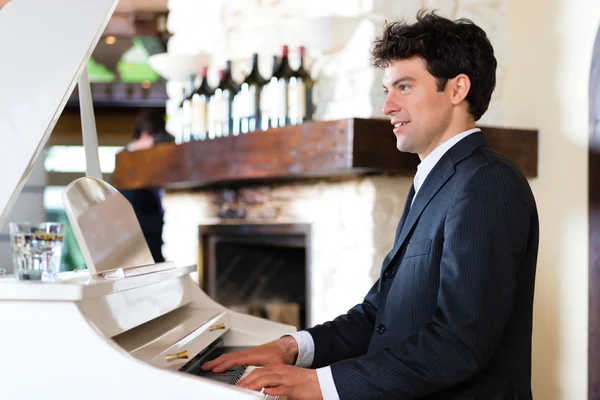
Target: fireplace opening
258, 269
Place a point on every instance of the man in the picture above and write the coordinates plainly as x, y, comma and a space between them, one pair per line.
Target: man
451, 315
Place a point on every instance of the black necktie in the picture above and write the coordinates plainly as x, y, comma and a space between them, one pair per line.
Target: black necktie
407, 204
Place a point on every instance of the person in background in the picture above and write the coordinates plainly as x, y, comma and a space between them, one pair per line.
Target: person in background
149, 130
147, 202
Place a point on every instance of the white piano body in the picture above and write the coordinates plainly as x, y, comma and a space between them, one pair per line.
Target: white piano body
126, 328
102, 338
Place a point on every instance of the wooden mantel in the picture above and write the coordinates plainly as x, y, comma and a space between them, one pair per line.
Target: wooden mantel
351, 146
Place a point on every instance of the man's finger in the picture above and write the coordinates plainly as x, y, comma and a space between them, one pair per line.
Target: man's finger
257, 373
230, 363
216, 362
281, 390
225, 362
263, 381
211, 364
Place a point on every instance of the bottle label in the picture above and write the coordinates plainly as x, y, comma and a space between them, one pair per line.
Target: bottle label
296, 99
185, 111
279, 98
266, 101
245, 102
217, 109
199, 114
186, 121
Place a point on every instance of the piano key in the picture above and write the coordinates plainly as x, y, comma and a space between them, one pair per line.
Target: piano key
231, 376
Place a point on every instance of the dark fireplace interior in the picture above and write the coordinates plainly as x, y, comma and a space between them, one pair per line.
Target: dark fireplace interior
258, 269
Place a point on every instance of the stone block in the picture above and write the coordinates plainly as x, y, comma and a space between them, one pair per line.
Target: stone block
392, 10
201, 39
350, 8
184, 15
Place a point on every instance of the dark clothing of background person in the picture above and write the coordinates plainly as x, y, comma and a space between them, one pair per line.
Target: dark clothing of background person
147, 202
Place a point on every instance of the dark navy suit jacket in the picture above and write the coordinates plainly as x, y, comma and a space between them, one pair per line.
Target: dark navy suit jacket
451, 314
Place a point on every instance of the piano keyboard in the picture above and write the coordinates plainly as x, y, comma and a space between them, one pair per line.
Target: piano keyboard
230, 377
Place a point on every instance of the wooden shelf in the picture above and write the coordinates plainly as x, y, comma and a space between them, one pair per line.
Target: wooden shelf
351, 146
123, 95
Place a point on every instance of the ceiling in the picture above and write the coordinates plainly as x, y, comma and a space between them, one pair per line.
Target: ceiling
126, 6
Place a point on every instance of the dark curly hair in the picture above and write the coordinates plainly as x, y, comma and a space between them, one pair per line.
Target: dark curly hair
152, 121
449, 48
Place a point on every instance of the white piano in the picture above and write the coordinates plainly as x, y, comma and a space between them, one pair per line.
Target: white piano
126, 328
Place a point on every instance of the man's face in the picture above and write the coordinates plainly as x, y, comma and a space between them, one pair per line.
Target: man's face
420, 114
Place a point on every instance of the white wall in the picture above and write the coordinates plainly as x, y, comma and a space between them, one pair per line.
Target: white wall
546, 87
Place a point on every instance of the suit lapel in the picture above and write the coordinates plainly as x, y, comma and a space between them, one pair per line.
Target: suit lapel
438, 176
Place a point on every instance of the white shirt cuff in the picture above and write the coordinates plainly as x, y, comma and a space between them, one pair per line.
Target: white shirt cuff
327, 384
306, 348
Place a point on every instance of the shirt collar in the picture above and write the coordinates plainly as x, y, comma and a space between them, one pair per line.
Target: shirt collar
425, 167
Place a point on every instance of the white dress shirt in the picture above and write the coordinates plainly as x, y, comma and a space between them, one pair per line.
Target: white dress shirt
426, 165
306, 344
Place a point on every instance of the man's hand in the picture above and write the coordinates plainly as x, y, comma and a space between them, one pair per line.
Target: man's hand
281, 351
284, 380
144, 142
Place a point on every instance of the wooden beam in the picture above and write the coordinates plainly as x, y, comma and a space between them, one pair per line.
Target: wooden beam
115, 128
317, 149
65, 178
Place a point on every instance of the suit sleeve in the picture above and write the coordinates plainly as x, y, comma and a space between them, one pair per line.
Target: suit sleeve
485, 239
348, 335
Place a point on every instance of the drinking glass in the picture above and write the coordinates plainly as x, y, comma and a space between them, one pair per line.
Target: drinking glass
36, 250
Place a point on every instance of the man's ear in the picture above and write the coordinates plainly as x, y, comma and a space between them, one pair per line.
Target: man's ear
459, 88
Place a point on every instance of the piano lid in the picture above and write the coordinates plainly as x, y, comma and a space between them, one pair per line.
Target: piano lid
44, 46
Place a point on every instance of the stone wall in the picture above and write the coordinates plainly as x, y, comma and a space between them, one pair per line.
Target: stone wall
352, 228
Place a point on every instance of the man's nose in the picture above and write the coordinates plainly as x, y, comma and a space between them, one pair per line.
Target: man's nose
390, 107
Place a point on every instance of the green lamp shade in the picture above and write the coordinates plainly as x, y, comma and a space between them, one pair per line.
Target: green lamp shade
133, 66
98, 73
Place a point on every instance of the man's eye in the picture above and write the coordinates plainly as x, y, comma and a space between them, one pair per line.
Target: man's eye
403, 88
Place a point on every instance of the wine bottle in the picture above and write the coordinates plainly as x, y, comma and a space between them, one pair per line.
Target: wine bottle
220, 107
279, 82
234, 88
267, 106
300, 106
230, 81
247, 101
178, 117
184, 111
199, 107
